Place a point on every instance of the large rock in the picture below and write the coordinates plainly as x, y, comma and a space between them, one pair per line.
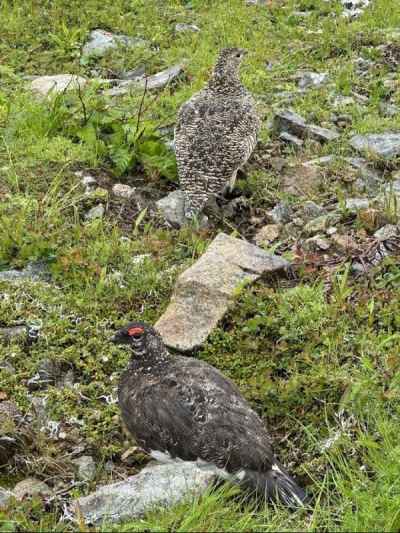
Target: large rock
100, 41
385, 145
47, 85
204, 292
159, 486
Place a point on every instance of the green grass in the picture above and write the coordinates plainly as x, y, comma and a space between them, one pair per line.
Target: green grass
319, 361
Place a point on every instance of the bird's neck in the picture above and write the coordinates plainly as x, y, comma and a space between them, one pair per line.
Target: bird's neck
225, 83
149, 357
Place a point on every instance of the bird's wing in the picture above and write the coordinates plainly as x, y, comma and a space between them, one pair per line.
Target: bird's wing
217, 132
162, 415
233, 436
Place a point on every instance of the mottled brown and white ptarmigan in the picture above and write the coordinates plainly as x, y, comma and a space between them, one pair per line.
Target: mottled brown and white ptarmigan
215, 133
180, 407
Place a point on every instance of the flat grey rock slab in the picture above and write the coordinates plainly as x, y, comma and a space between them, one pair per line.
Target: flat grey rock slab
100, 41
204, 292
155, 487
48, 85
385, 145
156, 81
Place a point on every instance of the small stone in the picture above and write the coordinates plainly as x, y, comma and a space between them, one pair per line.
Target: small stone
314, 244
14, 333
52, 372
389, 110
123, 191
172, 208
355, 204
156, 81
182, 27
331, 231
321, 134
267, 234
312, 79
291, 139
343, 101
344, 243
290, 122
317, 225
6, 498
302, 179
299, 222
89, 183
390, 231
48, 85
311, 210
100, 41
95, 212
86, 467
386, 145
281, 213
34, 271
31, 487
134, 74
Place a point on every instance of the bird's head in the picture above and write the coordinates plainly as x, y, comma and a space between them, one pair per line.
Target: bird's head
229, 60
142, 338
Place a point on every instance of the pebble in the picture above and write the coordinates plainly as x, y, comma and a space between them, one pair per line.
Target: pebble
312, 79
281, 213
389, 231
182, 27
31, 487
355, 204
123, 191
95, 212
86, 467
267, 234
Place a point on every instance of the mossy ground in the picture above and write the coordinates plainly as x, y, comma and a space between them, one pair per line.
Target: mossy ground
317, 360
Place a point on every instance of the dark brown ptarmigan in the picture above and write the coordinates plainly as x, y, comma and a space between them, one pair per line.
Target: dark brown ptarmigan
215, 133
180, 407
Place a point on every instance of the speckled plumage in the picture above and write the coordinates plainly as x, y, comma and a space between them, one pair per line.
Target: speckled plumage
215, 133
186, 408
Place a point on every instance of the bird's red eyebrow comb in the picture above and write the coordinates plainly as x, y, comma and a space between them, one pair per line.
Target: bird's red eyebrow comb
135, 330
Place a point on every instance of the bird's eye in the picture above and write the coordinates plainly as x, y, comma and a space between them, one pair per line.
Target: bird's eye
136, 332
238, 54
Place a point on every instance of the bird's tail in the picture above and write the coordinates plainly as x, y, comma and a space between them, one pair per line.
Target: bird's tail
275, 485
